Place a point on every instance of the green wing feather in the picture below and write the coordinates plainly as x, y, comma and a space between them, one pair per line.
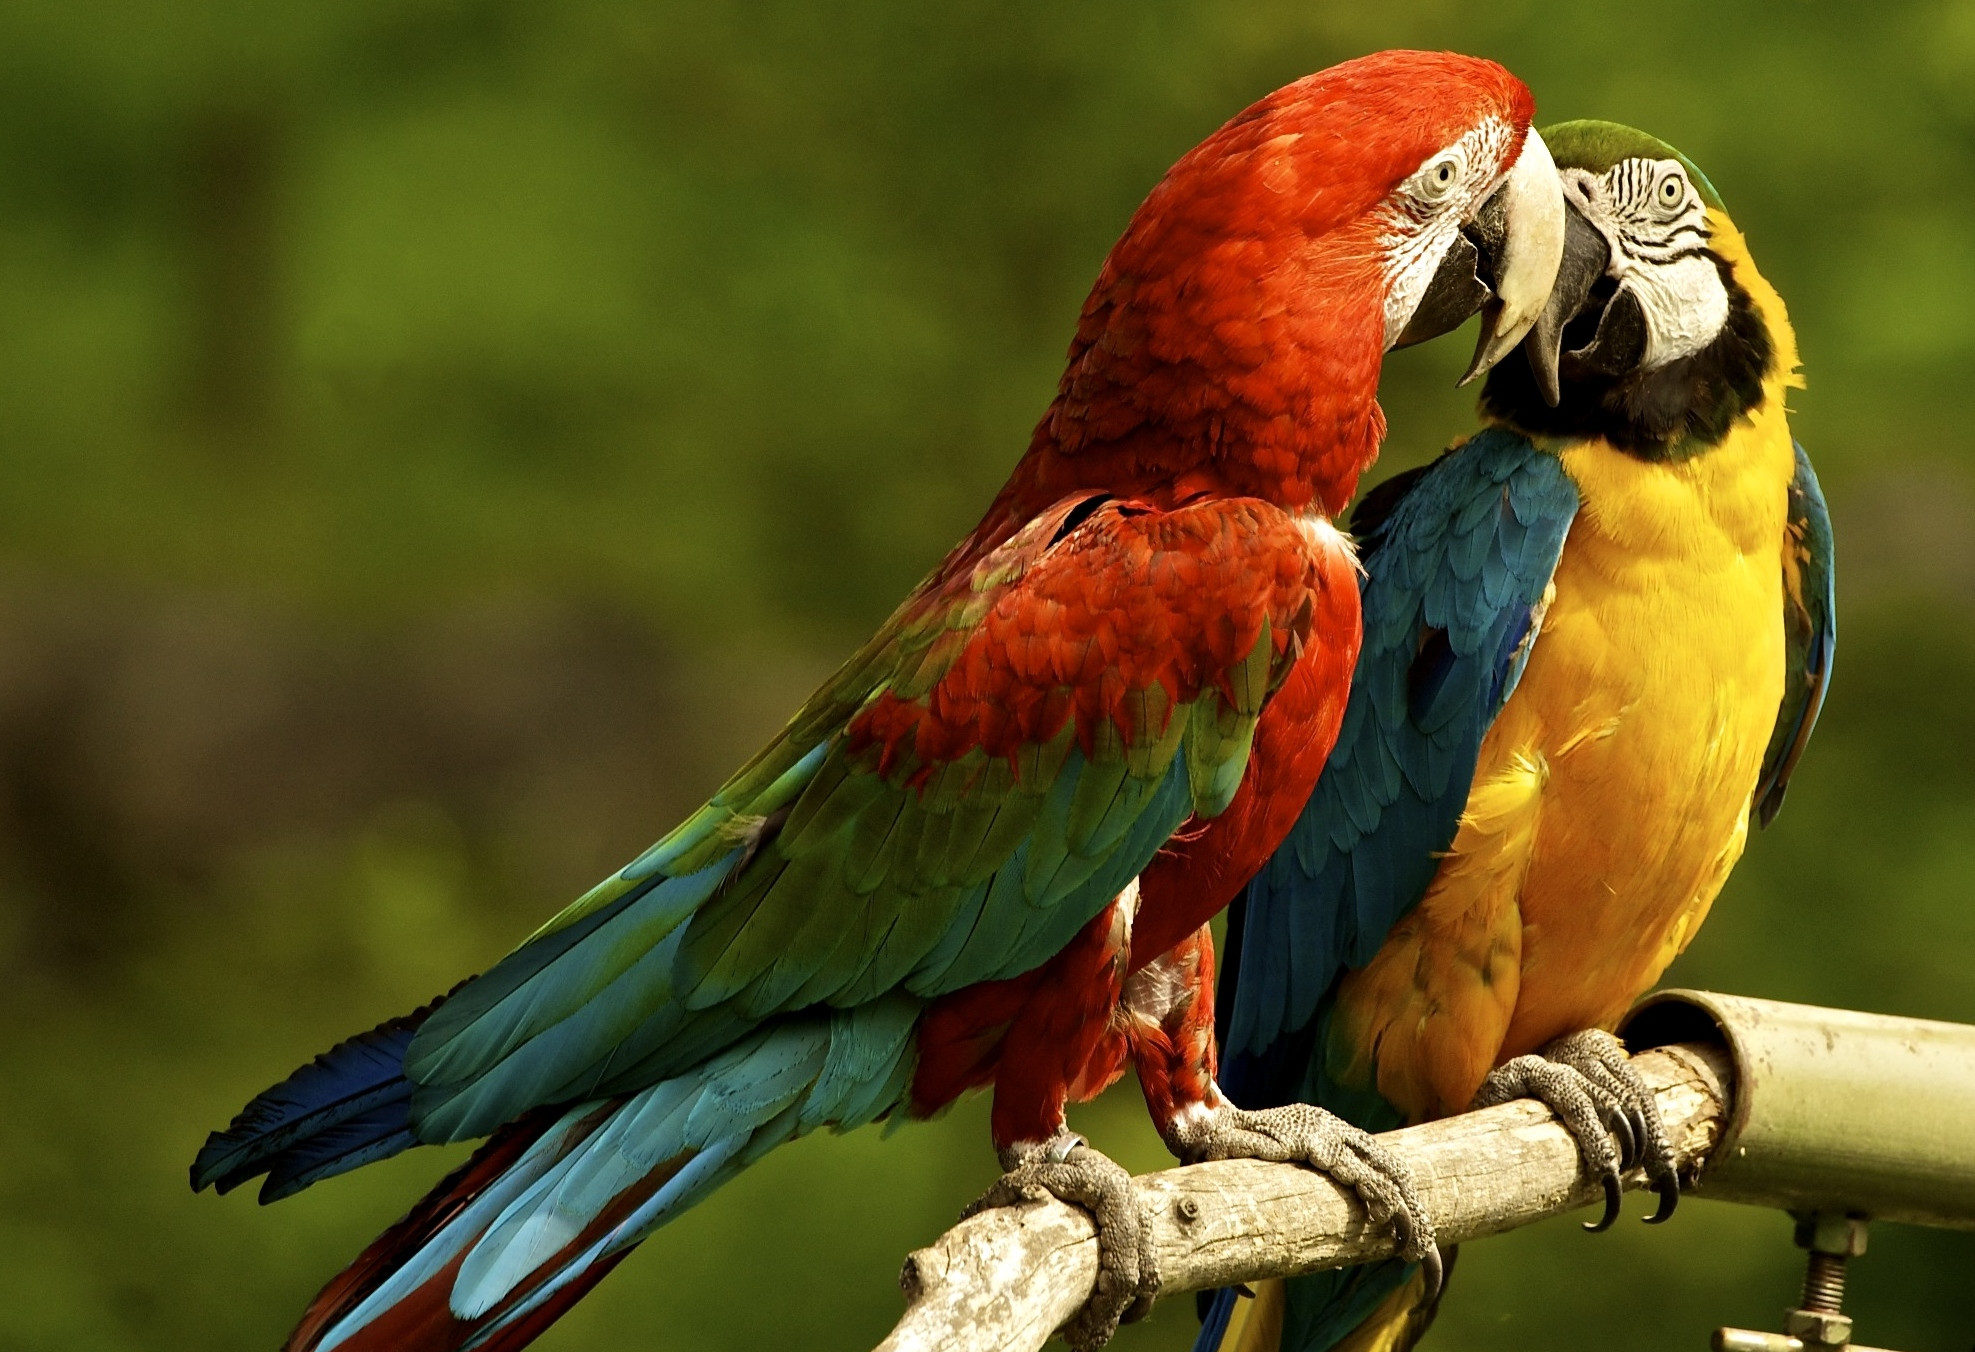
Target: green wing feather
921, 825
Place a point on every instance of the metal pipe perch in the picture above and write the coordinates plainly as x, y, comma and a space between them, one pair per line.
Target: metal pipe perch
1793, 1099
1007, 1278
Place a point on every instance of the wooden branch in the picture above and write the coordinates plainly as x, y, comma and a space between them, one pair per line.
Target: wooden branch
1006, 1279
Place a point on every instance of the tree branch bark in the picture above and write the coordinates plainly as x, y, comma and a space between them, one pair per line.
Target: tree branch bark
1006, 1279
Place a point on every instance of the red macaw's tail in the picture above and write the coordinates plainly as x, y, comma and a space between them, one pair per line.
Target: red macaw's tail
399, 1292
496, 1253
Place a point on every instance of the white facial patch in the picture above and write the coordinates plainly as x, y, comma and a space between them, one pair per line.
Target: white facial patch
1656, 226
1425, 212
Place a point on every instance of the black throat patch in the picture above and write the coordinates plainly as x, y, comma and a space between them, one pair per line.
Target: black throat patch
1678, 410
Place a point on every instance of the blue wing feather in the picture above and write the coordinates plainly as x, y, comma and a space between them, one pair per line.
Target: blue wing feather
1457, 557
1441, 654
1810, 629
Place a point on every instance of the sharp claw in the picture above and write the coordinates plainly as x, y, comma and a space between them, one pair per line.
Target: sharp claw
1608, 1092
1612, 1194
1629, 1138
1434, 1270
1644, 1130
1060, 1147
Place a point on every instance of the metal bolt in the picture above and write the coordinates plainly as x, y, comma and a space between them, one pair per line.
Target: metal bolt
1824, 1232
1817, 1328
1824, 1283
1187, 1209
1817, 1325
1832, 1238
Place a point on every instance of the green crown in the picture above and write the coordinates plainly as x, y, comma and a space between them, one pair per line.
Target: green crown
1596, 146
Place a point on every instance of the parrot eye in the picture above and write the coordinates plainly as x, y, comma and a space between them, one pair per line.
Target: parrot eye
1436, 180
1673, 189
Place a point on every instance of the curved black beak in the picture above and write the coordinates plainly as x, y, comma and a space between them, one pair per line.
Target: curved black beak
1617, 346
1456, 292
1586, 259
1501, 265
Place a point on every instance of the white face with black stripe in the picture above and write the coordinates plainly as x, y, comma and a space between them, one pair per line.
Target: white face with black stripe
1655, 224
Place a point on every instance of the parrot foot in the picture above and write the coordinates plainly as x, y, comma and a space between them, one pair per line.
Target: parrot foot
1066, 1168
1587, 1080
1299, 1133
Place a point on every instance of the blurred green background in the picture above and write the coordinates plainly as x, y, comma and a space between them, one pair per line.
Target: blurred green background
442, 438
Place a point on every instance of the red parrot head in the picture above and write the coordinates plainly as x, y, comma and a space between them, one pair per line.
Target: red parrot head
1233, 340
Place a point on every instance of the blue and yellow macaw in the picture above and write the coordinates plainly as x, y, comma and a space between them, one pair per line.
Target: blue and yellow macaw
1597, 634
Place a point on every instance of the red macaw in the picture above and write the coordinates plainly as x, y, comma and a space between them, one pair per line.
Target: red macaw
924, 885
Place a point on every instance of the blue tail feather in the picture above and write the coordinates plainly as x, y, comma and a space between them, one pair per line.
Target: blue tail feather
378, 1134
1215, 1309
349, 1106
502, 1247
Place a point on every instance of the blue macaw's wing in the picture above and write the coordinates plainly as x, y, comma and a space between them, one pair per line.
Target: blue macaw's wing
1810, 634
953, 809
1457, 558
